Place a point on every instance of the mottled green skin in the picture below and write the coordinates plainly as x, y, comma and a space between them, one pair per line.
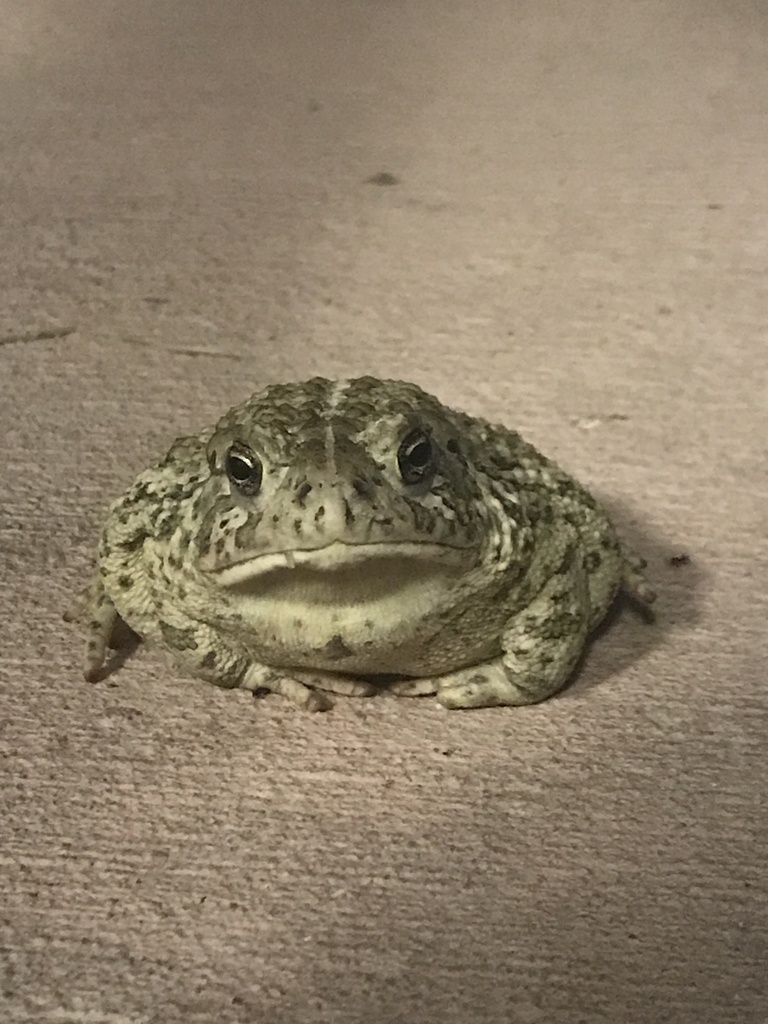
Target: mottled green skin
480, 582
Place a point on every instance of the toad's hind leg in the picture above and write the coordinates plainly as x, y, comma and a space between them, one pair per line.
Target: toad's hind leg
541, 646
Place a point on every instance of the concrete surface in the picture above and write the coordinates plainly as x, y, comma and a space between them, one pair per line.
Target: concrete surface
576, 244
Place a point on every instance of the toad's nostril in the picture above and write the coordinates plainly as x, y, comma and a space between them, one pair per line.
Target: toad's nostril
302, 491
362, 486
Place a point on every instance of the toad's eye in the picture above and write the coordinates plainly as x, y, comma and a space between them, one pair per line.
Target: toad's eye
243, 467
415, 457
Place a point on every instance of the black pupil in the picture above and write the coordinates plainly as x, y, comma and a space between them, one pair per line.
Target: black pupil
415, 457
244, 469
419, 454
240, 468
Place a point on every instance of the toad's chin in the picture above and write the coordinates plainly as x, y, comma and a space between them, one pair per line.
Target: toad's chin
368, 559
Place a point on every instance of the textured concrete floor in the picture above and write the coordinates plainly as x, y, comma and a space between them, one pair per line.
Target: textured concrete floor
576, 244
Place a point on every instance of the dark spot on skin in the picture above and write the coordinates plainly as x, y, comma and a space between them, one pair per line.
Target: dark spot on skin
302, 492
320, 513
505, 464
336, 649
134, 543
253, 521
232, 679
95, 625
164, 529
124, 582
592, 560
554, 627
297, 526
564, 488
178, 639
275, 518
209, 661
349, 516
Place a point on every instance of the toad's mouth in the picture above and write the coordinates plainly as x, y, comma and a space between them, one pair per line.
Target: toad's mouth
387, 580
361, 561
360, 593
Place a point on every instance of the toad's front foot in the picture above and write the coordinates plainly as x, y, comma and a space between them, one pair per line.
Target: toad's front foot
481, 686
94, 607
485, 686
